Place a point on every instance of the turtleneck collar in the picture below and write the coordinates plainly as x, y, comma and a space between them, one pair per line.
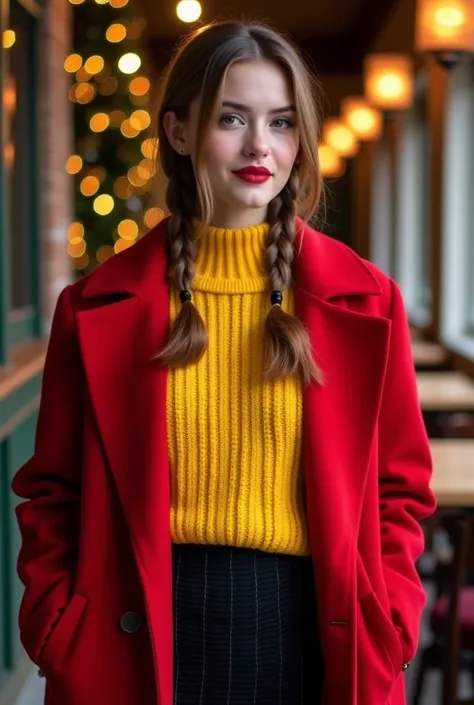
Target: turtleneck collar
231, 260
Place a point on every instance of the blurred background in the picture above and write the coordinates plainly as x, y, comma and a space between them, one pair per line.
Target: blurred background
78, 81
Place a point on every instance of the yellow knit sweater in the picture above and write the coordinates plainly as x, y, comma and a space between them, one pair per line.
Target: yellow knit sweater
234, 440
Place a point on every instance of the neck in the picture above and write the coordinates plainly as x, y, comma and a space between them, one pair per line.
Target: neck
243, 218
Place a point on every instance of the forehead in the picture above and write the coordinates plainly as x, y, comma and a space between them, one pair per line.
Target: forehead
257, 84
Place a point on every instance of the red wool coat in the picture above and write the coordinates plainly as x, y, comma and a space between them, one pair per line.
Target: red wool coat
95, 559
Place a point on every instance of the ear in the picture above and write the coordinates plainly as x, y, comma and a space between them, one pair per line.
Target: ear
175, 131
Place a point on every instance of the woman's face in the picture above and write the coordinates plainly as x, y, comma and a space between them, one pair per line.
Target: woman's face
254, 131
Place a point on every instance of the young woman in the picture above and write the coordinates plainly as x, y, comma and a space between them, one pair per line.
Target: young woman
230, 463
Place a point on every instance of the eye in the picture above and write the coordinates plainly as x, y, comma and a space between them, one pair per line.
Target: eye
283, 123
230, 120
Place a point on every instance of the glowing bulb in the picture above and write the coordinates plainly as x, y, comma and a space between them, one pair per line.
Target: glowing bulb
449, 17
189, 10
128, 229
99, 122
103, 204
9, 38
74, 164
94, 64
139, 85
129, 63
73, 63
116, 32
75, 230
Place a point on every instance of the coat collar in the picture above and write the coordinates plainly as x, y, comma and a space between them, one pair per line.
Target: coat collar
324, 267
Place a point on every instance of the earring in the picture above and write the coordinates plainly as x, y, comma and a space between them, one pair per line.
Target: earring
181, 151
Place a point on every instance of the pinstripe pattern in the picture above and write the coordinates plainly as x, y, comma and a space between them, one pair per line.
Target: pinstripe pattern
234, 606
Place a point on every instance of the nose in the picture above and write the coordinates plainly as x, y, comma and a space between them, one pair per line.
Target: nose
257, 145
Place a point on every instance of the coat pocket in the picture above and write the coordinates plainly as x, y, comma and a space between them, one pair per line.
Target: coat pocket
381, 629
60, 640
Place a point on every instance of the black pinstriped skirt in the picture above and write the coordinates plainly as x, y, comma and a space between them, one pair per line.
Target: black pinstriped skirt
246, 630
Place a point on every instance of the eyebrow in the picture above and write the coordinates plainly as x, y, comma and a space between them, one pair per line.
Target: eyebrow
245, 108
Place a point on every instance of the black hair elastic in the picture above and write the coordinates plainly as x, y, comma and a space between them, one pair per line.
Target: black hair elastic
276, 297
185, 295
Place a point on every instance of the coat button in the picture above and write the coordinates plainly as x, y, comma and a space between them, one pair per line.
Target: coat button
40, 673
406, 665
130, 622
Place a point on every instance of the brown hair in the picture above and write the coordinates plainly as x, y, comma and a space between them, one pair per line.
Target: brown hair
198, 70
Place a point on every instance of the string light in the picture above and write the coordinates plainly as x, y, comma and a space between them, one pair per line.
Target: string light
73, 63
103, 204
149, 148
94, 64
9, 38
153, 216
121, 245
129, 63
89, 185
75, 230
118, 3
74, 164
128, 229
104, 253
189, 10
76, 247
84, 92
116, 32
139, 85
99, 122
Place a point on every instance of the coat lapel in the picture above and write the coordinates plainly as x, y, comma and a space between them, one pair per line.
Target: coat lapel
124, 321
339, 420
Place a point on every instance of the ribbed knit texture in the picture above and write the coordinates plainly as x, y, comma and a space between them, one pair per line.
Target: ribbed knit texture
234, 440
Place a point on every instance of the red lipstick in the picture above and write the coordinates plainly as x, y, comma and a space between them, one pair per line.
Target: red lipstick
254, 174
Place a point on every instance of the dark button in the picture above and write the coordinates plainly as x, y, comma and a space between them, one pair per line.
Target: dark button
130, 622
40, 673
406, 665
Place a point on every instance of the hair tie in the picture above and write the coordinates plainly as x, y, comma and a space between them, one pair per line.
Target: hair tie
276, 297
185, 295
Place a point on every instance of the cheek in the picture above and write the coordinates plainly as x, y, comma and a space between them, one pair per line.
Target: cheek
218, 152
286, 152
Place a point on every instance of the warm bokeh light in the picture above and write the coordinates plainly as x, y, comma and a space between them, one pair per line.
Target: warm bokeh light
82, 262
147, 168
94, 64
104, 204
75, 230
140, 118
365, 121
136, 27
89, 185
189, 10
9, 95
129, 63
74, 164
99, 122
73, 63
108, 86
139, 85
76, 2
340, 137
116, 32
121, 245
76, 247
153, 216
136, 176
118, 3
104, 253
388, 81
82, 75
84, 92
122, 187
330, 161
128, 229
149, 148
116, 118
99, 172
9, 38
445, 25
129, 130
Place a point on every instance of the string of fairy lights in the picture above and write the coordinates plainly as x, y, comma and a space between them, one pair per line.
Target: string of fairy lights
96, 77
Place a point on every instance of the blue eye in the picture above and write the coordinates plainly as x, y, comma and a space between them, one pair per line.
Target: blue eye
230, 120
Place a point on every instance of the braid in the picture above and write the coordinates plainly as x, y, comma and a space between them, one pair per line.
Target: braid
281, 216
288, 349
188, 339
180, 199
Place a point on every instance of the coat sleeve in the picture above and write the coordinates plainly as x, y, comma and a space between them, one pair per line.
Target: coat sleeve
50, 481
405, 468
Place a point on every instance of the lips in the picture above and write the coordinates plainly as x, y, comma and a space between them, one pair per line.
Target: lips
254, 174
255, 170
